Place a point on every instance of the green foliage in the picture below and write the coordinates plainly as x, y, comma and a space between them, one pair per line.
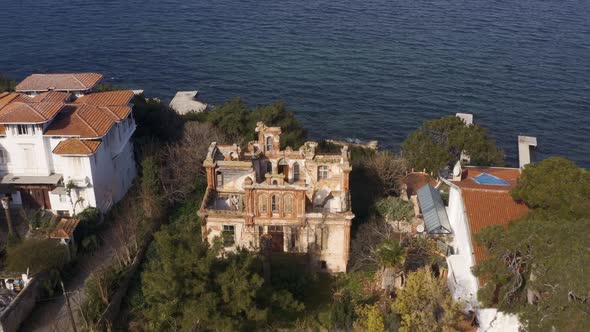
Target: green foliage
6, 84
395, 209
293, 134
90, 221
37, 219
390, 253
152, 196
437, 143
542, 254
425, 304
343, 311
187, 286
369, 319
99, 289
555, 184
37, 255
237, 121
155, 121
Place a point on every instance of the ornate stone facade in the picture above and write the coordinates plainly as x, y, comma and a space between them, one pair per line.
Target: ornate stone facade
299, 199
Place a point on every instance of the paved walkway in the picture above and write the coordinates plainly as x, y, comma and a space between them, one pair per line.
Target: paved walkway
50, 315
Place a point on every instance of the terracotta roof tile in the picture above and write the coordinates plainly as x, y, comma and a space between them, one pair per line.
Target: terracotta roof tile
81, 120
489, 207
507, 174
77, 146
7, 98
59, 82
65, 229
417, 180
107, 98
19, 112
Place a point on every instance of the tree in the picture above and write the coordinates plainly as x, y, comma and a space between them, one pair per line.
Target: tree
233, 119
369, 319
438, 143
538, 259
155, 121
6, 84
36, 255
425, 304
188, 287
151, 195
237, 121
555, 184
391, 254
395, 209
389, 171
182, 160
292, 133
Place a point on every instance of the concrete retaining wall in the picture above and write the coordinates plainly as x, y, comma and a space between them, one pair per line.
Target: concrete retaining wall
23, 304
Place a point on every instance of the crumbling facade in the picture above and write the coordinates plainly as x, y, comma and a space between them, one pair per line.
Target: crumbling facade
298, 199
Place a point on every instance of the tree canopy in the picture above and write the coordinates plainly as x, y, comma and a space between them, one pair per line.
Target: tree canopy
188, 287
425, 304
555, 184
238, 121
36, 255
438, 143
536, 266
6, 84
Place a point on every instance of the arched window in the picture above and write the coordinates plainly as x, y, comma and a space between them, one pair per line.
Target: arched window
268, 166
269, 143
275, 182
219, 179
322, 172
262, 203
288, 204
274, 203
295, 172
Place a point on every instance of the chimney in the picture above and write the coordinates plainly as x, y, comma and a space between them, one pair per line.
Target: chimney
525, 145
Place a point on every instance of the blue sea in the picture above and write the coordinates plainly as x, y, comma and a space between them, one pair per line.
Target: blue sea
363, 69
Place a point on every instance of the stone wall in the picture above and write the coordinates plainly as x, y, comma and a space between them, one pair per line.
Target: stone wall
22, 305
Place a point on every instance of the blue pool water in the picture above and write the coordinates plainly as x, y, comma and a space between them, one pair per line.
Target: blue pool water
366, 69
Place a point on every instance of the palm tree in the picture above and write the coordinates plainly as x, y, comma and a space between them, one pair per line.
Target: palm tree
392, 257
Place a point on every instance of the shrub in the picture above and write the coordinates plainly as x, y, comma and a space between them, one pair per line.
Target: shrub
36, 255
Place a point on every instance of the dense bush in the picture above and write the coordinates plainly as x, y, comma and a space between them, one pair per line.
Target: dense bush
6, 84
36, 255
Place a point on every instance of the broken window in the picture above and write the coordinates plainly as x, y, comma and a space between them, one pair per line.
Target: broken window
322, 172
229, 235
295, 172
219, 180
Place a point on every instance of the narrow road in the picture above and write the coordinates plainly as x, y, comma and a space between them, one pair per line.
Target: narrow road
50, 314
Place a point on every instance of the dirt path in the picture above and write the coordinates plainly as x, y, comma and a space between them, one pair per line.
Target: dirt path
51, 314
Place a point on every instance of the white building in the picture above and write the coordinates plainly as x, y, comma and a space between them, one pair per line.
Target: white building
55, 131
479, 197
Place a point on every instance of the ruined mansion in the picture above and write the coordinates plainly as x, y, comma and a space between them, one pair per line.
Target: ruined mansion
294, 201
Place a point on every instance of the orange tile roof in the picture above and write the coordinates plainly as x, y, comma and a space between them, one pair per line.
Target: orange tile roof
77, 146
19, 112
7, 97
107, 98
507, 174
417, 180
81, 120
489, 207
64, 229
60, 82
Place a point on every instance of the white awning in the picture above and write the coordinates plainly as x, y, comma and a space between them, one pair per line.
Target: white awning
26, 179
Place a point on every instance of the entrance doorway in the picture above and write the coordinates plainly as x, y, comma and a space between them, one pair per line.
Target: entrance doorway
284, 169
277, 238
35, 198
